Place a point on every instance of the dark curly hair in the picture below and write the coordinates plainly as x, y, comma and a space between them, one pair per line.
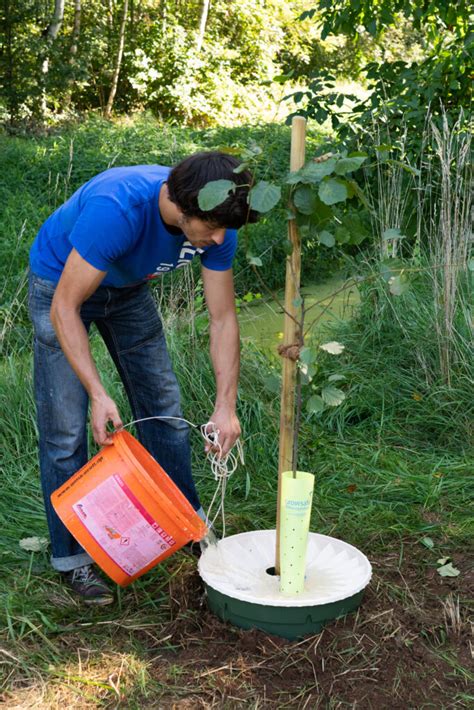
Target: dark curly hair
190, 175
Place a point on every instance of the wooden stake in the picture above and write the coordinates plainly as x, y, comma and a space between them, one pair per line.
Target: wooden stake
290, 331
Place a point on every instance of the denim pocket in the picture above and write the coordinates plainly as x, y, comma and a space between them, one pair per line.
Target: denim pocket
40, 296
42, 285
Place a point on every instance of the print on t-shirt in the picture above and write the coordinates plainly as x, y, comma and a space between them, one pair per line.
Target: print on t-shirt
185, 257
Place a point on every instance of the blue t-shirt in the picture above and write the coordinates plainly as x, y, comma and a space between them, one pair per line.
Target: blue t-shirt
113, 221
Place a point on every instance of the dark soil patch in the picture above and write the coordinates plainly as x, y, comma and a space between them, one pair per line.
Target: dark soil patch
408, 646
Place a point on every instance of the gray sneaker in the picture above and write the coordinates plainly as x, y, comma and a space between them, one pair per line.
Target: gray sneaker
89, 586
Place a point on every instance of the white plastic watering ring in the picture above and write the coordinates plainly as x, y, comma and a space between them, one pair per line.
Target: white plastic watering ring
241, 588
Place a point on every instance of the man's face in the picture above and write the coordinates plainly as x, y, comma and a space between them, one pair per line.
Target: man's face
199, 233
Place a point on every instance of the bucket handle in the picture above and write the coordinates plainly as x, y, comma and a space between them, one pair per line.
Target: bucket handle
222, 467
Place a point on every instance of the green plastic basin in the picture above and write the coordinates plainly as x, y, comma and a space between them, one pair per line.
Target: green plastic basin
288, 622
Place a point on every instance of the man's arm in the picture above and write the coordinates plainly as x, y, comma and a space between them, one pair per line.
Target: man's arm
79, 280
225, 352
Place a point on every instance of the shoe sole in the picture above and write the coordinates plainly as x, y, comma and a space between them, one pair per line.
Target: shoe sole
101, 601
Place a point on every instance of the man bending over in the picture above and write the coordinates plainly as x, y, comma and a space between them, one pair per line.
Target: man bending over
92, 262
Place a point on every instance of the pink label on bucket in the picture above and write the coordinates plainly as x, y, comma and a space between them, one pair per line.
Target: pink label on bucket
121, 525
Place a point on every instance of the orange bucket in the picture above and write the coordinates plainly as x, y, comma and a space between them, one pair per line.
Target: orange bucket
125, 511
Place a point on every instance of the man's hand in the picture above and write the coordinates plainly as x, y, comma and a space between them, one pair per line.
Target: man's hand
225, 419
103, 411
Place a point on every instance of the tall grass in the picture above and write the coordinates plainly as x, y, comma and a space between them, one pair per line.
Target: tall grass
422, 218
397, 392
449, 229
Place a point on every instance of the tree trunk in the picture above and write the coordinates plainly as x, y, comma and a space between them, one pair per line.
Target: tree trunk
76, 31
12, 101
110, 25
118, 61
164, 17
50, 35
202, 23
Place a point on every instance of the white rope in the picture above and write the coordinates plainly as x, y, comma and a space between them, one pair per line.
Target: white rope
222, 467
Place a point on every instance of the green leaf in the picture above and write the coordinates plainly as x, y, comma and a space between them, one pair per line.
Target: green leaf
304, 200
383, 152
371, 27
326, 238
214, 193
264, 196
297, 302
332, 190
470, 264
393, 233
293, 178
315, 172
307, 355
308, 372
252, 151
343, 236
336, 378
254, 260
332, 396
315, 404
448, 570
398, 285
307, 14
231, 149
358, 191
322, 215
427, 542
240, 168
348, 165
272, 383
384, 148
390, 268
351, 191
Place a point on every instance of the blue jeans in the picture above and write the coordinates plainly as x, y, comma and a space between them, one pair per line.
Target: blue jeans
129, 323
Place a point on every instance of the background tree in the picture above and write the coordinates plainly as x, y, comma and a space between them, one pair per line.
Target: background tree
76, 31
240, 46
202, 23
118, 61
50, 35
399, 89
